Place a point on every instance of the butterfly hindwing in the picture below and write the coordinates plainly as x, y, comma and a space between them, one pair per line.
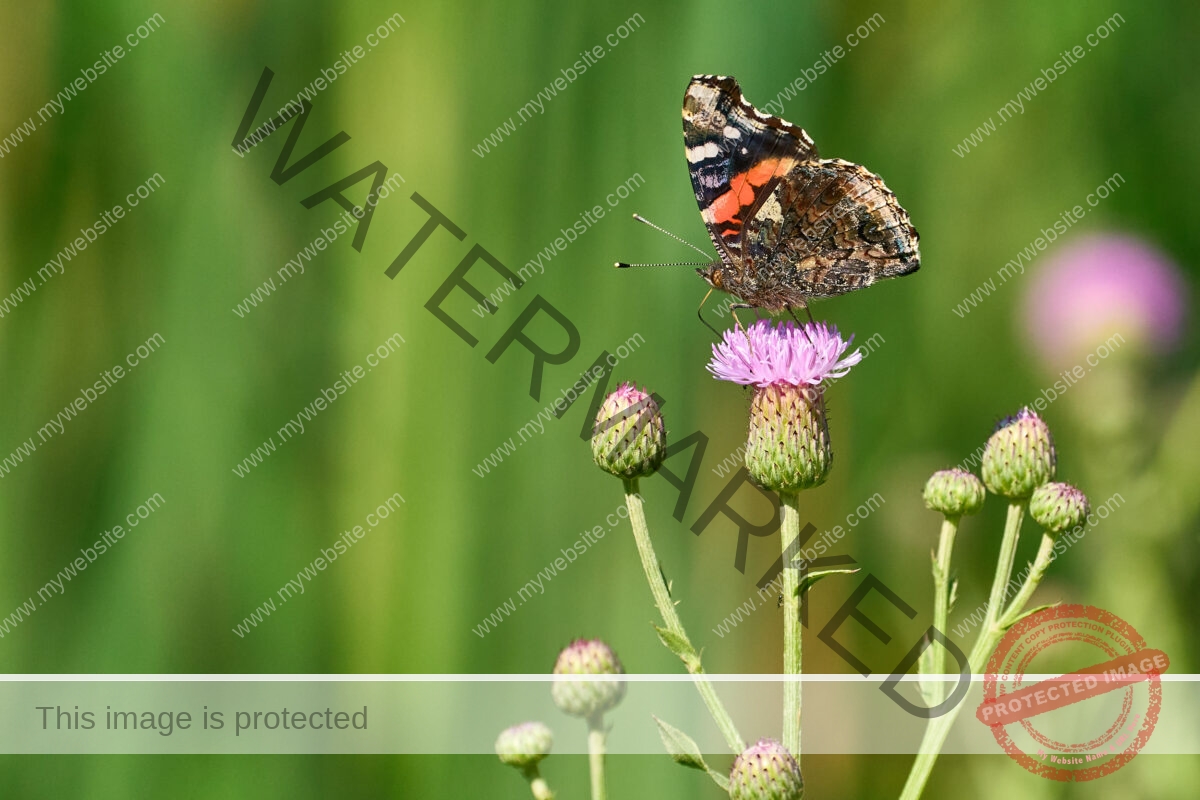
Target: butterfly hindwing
831, 227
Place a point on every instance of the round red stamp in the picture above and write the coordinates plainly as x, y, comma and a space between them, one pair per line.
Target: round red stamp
1072, 693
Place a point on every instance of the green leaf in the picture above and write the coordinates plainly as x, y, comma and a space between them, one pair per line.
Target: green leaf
677, 644
1009, 623
808, 579
685, 751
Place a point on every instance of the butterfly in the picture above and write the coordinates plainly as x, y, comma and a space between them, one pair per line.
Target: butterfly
788, 226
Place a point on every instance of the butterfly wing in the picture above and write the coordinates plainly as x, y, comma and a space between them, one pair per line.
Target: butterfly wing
736, 156
829, 227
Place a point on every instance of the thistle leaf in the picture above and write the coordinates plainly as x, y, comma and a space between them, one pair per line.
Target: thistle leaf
675, 643
1029, 613
808, 579
683, 750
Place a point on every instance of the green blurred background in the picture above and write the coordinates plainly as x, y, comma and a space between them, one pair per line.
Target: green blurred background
407, 598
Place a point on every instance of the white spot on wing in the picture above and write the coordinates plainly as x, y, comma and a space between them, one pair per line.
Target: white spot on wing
731, 132
771, 209
702, 151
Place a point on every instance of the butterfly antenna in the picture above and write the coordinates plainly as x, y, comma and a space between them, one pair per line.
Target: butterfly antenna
679, 239
623, 265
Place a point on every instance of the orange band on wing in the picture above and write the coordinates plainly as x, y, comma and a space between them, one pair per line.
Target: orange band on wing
726, 208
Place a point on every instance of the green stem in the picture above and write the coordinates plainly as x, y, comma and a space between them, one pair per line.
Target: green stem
792, 645
1042, 562
596, 751
666, 607
941, 602
537, 784
1008, 554
989, 637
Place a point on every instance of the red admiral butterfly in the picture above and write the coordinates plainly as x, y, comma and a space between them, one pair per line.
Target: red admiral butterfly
787, 224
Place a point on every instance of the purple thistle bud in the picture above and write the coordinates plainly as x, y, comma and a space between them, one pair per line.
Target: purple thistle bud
629, 439
766, 771
524, 745
1058, 507
1019, 456
586, 698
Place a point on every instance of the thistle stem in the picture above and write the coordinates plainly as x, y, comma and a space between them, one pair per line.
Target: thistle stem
989, 636
1008, 553
792, 634
941, 600
670, 617
596, 751
537, 784
1041, 562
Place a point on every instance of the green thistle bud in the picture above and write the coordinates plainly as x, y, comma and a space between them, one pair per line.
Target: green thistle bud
629, 439
1058, 507
788, 447
1019, 457
586, 698
954, 492
524, 745
766, 771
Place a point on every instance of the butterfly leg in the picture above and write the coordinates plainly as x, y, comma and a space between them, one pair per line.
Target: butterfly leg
807, 310
733, 309
801, 325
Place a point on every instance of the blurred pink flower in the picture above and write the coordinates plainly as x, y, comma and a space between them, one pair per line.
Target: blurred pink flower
1101, 284
766, 354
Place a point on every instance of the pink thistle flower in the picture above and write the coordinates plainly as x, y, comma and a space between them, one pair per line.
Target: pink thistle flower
788, 446
1101, 284
773, 355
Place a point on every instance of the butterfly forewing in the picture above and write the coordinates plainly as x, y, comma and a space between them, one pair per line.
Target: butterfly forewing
735, 155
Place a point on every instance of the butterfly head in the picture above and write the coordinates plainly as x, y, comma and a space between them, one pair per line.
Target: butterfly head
712, 274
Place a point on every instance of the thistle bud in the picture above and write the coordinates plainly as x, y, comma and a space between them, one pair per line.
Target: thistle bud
524, 745
766, 771
1058, 507
1019, 457
586, 698
788, 447
954, 492
629, 439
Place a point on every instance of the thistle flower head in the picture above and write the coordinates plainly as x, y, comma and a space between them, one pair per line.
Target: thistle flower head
1019, 457
766, 355
766, 771
954, 492
629, 439
1100, 285
586, 698
1058, 507
524, 745
788, 446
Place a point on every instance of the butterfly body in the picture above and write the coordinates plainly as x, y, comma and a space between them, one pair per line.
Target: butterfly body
788, 225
